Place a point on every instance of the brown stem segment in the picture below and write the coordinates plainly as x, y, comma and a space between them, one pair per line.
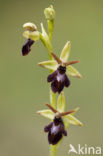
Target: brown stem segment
56, 58
72, 62
53, 109
66, 113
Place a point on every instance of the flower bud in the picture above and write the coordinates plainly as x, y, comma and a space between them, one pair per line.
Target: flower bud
49, 13
30, 26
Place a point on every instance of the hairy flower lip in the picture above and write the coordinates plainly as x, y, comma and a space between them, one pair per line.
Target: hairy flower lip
58, 79
26, 47
61, 69
56, 130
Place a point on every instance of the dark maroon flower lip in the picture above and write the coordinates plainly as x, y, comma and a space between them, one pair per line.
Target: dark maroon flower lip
58, 79
61, 69
26, 47
56, 130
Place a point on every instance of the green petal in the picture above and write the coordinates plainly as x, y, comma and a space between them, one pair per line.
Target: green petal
65, 52
47, 113
73, 72
32, 35
72, 120
52, 65
61, 102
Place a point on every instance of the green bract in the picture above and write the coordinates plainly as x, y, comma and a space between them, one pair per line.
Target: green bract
45, 39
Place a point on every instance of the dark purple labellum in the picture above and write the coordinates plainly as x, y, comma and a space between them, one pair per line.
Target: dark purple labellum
26, 47
55, 130
58, 79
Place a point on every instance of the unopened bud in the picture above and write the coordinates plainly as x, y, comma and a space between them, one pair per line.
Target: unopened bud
49, 13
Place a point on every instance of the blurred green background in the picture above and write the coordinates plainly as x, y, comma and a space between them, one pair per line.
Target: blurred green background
23, 87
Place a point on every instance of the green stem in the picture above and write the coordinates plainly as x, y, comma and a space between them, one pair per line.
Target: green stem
47, 43
53, 150
49, 49
52, 98
50, 28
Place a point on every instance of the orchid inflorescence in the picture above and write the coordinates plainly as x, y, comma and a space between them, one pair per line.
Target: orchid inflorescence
60, 70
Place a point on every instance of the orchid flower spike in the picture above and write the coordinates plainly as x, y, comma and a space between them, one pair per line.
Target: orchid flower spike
61, 68
60, 120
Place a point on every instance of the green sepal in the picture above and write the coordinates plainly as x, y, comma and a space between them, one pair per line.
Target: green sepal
73, 72
47, 113
52, 64
72, 120
65, 52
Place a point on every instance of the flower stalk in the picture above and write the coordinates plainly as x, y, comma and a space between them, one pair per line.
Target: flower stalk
53, 150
